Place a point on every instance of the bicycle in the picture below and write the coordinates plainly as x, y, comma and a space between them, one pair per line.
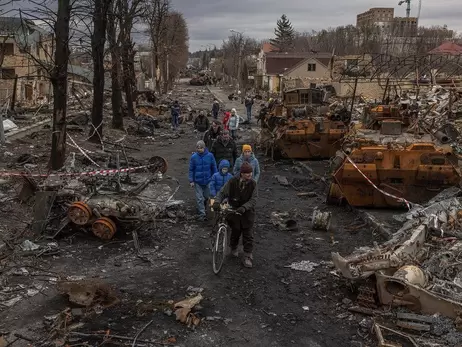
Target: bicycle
220, 238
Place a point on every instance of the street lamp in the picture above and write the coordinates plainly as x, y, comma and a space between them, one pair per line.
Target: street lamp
239, 63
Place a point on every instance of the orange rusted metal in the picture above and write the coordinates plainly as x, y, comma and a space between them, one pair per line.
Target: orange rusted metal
308, 139
79, 213
416, 173
104, 228
302, 128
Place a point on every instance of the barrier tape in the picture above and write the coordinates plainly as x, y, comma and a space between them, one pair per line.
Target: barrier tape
75, 174
408, 204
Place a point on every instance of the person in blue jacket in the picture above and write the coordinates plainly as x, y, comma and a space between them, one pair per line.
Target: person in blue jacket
220, 178
202, 167
247, 156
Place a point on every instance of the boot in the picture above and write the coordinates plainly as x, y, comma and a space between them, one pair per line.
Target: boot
248, 258
235, 253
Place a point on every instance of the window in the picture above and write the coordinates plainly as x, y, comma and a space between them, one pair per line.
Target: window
304, 98
311, 67
7, 48
7, 73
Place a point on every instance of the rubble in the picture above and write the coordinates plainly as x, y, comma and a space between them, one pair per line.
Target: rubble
417, 269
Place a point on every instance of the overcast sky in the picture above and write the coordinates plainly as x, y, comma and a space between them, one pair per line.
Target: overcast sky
209, 21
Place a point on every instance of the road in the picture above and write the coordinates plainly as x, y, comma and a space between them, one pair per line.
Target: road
269, 305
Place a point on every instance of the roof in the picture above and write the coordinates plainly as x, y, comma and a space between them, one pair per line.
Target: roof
278, 65
88, 75
447, 48
10, 24
268, 47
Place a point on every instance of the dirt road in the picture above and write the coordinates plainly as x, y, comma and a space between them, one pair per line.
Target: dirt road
269, 305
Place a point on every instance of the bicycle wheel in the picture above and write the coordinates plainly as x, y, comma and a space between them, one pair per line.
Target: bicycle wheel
219, 248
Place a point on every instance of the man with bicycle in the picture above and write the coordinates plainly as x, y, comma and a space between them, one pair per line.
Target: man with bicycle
241, 194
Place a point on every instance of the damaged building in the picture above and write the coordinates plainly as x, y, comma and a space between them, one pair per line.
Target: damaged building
23, 45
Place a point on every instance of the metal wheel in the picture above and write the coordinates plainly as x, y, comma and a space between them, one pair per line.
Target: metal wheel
219, 248
104, 228
158, 164
79, 213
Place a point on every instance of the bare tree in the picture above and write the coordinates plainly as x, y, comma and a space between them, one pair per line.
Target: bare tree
129, 12
155, 17
56, 66
114, 48
98, 40
174, 51
231, 49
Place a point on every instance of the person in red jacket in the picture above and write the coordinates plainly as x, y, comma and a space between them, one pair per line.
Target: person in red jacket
226, 120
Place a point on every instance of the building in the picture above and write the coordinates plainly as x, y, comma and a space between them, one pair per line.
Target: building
384, 19
381, 16
25, 52
273, 67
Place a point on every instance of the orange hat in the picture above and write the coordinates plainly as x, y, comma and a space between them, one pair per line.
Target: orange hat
247, 148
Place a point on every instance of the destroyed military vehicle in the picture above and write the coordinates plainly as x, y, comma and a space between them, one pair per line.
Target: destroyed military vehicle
393, 159
113, 200
302, 126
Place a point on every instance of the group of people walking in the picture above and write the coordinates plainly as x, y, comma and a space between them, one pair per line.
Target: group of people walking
217, 171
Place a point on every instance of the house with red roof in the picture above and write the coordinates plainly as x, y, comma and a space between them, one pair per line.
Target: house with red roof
447, 48
273, 67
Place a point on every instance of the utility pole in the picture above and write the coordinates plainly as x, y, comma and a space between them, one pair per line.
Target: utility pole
239, 63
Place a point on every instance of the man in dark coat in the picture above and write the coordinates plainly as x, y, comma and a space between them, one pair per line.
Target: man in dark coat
215, 109
224, 148
212, 134
241, 194
201, 123
175, 112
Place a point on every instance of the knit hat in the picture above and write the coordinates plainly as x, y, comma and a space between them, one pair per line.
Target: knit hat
247, 148
246, 168
200, 144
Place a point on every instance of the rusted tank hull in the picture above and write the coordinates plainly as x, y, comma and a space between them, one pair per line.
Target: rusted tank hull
323, 147
416, 174
310, 140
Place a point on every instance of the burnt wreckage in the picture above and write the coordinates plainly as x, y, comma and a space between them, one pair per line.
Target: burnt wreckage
302, 126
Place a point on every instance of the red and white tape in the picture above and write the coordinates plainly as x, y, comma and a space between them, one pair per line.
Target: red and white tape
74, 174
408, 204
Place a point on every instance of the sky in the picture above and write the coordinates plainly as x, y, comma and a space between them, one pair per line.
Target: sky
209, 21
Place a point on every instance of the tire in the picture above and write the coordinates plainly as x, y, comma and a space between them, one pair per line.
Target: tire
219, 248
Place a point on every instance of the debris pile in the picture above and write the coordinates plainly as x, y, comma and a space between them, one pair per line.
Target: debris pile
419, 269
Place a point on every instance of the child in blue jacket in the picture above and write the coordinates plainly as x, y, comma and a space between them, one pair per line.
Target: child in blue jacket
220, 178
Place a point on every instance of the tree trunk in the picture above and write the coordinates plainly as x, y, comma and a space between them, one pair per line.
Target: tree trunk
127, 76
116, 96
98, 41
59, 82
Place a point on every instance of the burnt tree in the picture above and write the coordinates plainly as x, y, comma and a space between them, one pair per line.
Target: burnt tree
98, 41
114, 47
58, 79
127, 14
